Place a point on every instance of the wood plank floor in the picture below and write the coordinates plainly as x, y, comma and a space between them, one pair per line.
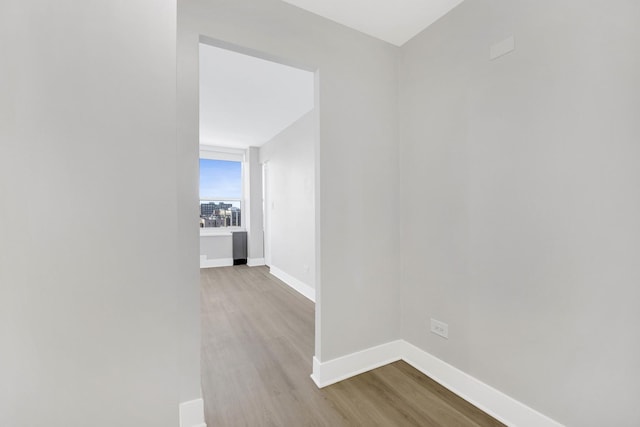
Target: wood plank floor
257, 347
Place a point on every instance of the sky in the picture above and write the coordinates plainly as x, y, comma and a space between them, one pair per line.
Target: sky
220, 179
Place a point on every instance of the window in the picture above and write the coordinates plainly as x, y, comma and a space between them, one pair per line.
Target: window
220, 192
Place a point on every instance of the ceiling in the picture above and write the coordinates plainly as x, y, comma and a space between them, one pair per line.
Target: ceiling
393, 21
245, 101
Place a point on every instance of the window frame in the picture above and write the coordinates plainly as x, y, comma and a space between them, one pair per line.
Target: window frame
230, 155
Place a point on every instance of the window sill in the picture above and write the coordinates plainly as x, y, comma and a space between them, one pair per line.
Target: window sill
218, 233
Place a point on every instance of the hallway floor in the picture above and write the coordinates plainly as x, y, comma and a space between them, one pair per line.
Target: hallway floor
257, 349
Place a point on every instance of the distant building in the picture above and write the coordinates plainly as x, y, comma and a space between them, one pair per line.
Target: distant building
234, 217
210, 208
219, 214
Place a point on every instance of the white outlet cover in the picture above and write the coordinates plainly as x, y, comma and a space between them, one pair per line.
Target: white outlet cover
440, 328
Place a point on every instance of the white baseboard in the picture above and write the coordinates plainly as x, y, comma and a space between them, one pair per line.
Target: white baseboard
192, 414
294, 283
333, 371
495, 403
219, 262
254, 262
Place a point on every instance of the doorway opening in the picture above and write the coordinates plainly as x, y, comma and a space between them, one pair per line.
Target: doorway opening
259, 113
263, 112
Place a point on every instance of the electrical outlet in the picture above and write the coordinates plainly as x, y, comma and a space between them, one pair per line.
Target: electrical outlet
440, 328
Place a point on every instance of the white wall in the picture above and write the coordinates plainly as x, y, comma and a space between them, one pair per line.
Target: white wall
254, 222
217, 247
359, 302
90, 291
291, 174
519, 187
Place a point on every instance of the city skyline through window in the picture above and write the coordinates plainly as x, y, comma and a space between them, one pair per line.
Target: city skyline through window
220, 193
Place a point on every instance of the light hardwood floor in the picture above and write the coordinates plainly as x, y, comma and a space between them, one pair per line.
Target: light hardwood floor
257, 347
